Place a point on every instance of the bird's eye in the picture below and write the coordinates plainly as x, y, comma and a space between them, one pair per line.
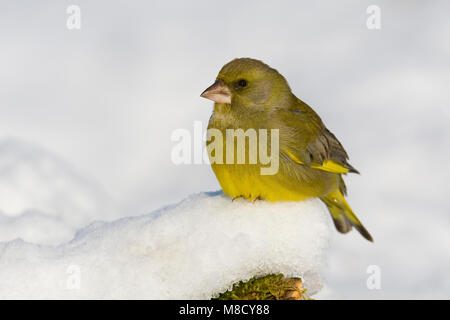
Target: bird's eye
242, 83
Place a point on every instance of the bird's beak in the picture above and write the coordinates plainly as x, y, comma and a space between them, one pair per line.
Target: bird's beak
218, 92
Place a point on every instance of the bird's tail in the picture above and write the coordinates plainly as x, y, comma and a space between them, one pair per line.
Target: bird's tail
343, 216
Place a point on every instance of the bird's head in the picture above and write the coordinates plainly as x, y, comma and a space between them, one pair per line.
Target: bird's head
248, 83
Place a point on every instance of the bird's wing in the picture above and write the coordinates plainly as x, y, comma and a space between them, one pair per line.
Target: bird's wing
306, 140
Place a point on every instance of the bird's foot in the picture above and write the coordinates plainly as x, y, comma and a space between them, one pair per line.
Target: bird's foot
257, 198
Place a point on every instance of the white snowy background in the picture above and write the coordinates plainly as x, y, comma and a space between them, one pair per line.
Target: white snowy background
86, 118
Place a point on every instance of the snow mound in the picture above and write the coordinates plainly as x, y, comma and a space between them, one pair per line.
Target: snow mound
42, 198
192, 250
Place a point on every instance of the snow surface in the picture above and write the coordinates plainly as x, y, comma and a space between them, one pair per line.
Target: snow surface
191, 250
43, 199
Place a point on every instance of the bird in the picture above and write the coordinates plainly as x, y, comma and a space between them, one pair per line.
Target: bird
249, 94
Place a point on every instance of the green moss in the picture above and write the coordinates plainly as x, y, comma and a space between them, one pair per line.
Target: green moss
269, 287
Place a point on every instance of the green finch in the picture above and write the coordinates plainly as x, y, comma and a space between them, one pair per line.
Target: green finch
249, 94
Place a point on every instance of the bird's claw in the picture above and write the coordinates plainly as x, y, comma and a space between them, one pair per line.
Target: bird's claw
257, 198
